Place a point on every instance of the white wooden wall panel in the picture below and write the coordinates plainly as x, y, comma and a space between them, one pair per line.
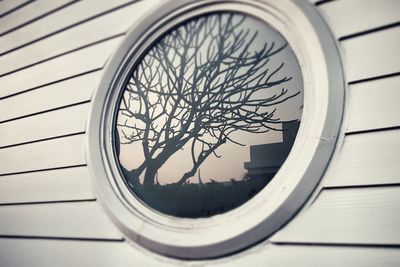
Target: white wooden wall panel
64, 220
65, 66
364, 159
373, 105
372, 55
50, 253
30, 12
60, 122
360, 216
112, 24
46, 186
354, 217
315, 256
8, 5
71, 15
346, 17
43, 253
61, 152
61, 94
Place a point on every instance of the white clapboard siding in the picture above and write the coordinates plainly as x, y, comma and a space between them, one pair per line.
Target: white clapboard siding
46, 186
365, 216
310, 256
87, 253
42, 203
355, 16
7, 6
56, 153
65, 220
62, 121
374, 104
65, 253
62, 67
111, 24
70, 120
372, 55
64, 93
366, 159
71, 15
30, 12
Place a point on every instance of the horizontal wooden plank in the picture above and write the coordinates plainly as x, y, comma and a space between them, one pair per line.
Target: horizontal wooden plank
372, 55
373, 105
67, 92
36, 252
6, 6
61, 152
44, 186
65, 220
366, 159
306, 256
117, 22
60, 122
365, 216
57, 21
30, 12
359, 15
65, 66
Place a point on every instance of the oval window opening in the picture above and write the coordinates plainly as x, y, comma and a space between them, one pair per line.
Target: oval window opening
208, 115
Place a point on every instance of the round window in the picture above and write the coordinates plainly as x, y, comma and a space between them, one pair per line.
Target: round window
208, 115
214, 122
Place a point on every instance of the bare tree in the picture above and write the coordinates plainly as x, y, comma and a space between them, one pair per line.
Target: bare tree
199, 84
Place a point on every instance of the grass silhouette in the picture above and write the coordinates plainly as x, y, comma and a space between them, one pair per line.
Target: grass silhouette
200, 200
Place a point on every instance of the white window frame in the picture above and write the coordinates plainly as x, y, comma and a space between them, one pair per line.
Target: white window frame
309, 37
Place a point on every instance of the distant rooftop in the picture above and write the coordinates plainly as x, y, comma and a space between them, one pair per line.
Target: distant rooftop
266, 159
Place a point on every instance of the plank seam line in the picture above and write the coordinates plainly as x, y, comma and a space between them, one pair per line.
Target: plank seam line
52, 82
44, 170
16, 8
384, 76
369, 31
320, 190
315, 244
382, 129
49, 202
38, 18
46, 111
43, 139
63, 54
70, 26
323, 2
360, 186
119, 240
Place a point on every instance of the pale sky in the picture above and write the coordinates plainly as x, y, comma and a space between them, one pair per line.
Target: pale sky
230, 165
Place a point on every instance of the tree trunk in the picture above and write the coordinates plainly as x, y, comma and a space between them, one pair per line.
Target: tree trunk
150, 175
153, 165
187, 175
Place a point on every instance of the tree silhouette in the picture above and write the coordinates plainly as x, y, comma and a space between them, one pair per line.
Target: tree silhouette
198, 84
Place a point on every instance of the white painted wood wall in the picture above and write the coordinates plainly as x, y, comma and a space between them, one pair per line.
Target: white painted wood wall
51, 57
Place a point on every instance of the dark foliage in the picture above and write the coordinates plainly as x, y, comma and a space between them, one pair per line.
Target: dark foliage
200, 200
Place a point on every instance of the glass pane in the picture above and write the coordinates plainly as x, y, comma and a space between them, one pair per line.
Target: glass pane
208, 115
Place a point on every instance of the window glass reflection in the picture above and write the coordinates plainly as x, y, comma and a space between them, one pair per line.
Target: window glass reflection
208, 115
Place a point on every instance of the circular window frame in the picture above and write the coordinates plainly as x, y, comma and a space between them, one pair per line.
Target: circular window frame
278, 202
